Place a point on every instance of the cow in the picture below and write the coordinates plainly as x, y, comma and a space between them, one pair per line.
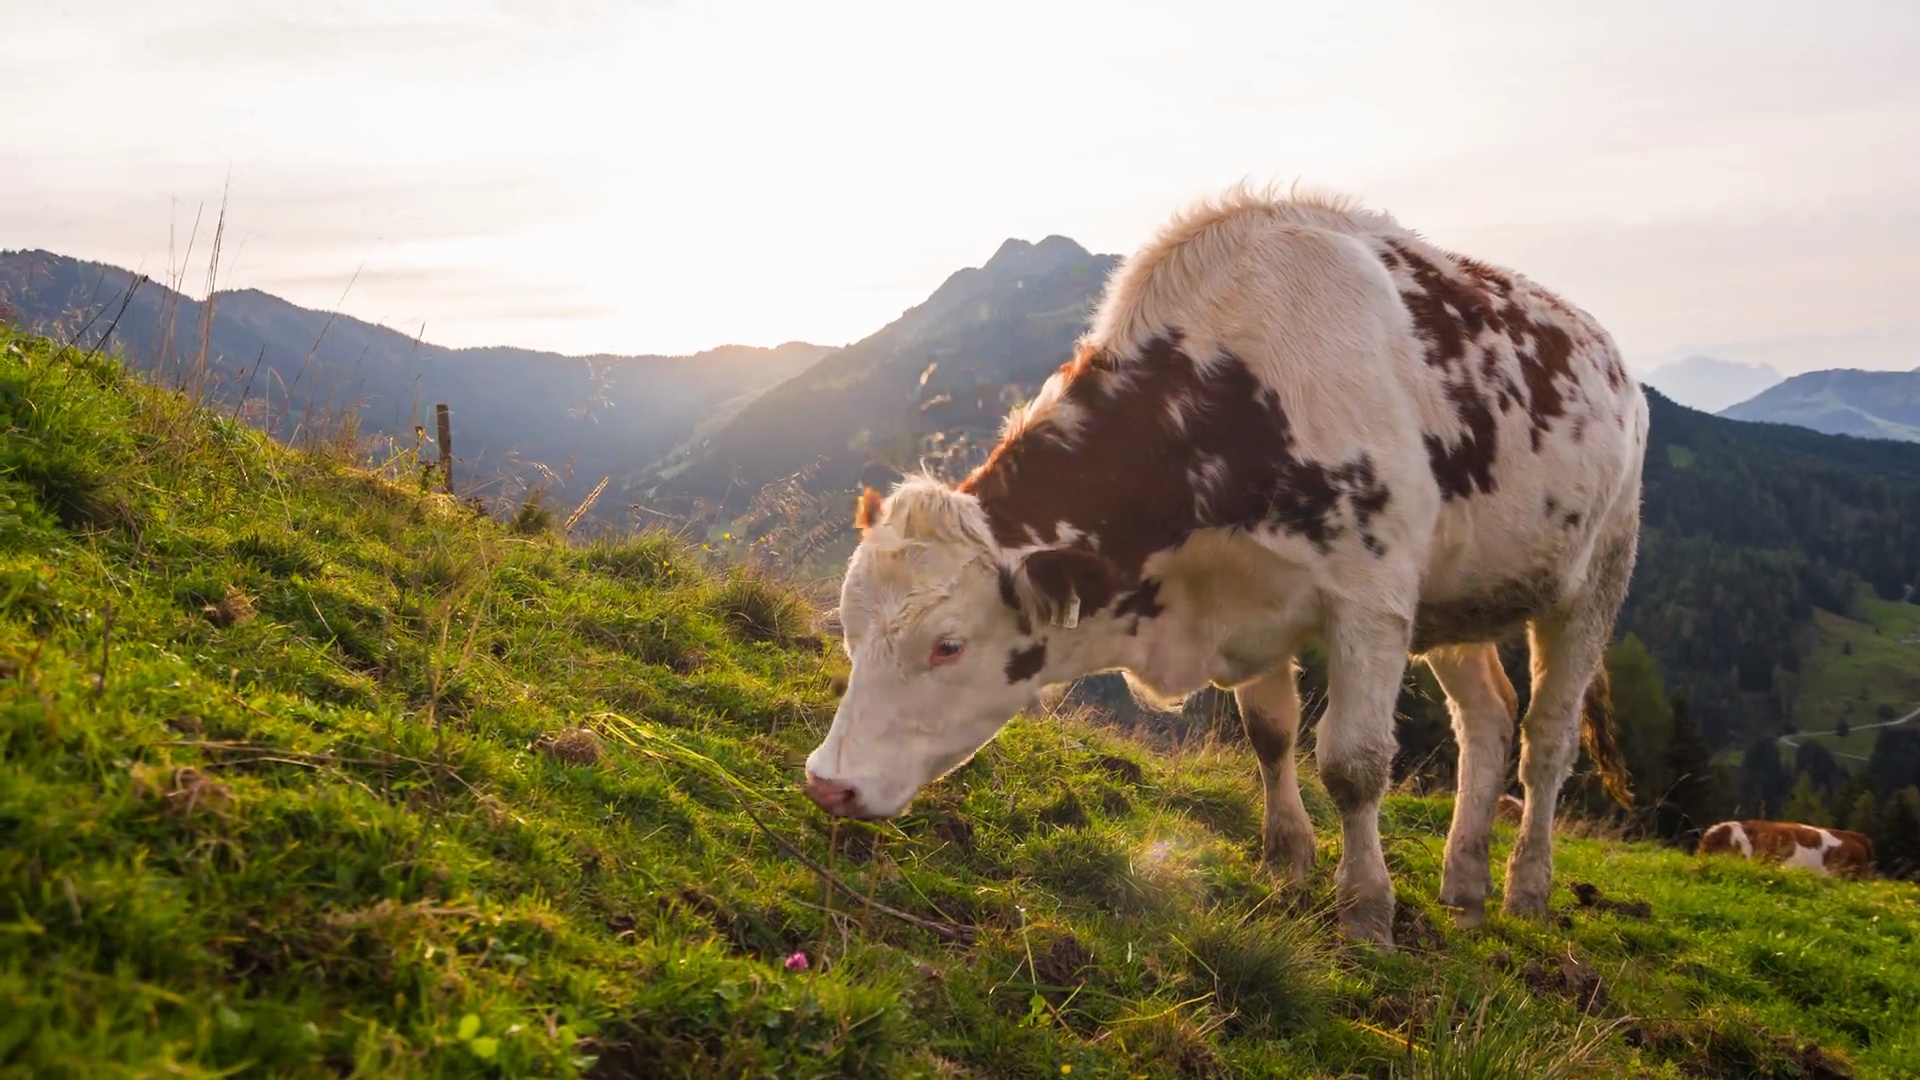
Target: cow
1509, 810
1836, 852
1290, 420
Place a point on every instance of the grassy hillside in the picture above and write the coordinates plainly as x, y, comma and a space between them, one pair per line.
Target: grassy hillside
306, 774
1860, 671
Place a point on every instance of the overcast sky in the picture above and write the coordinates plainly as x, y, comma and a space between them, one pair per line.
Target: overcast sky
1740, 178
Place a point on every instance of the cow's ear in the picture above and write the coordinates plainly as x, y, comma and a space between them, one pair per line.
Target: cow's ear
866, 513
1060, 585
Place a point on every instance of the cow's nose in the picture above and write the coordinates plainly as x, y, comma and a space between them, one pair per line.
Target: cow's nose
832, 796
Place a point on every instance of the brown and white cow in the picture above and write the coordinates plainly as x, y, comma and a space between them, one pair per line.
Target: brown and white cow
1290, 420
1838, 852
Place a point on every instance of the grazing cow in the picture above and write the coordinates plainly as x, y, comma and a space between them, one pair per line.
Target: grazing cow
1291, 419
1837, 852
1509, 810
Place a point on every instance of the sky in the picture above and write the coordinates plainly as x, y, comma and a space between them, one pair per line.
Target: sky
1740, 179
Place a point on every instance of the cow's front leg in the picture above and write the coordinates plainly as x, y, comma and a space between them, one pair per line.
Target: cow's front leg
1366, 659
1270, 711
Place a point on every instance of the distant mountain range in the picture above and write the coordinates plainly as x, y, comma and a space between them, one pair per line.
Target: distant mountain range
1710, 384
1869, 404
514, 411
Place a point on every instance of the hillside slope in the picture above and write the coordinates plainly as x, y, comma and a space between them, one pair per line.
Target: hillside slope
598, 415
306, 774
1870, 404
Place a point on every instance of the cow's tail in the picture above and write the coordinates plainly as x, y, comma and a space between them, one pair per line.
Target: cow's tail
1597, 735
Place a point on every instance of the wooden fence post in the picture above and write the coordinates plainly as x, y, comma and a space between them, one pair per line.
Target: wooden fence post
446, 444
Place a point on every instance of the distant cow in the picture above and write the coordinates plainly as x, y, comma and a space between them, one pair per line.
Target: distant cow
1838, 852
1291, 420
1509, 810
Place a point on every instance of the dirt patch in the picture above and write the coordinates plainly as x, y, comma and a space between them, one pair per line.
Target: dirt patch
1121, 769
234, 609
1066, 812
1061, 960
1570, 976
1722, 1051
1413, 930
573, 746
1589, 896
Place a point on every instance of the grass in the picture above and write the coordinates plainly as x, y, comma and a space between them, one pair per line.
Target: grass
309, 773
1860, 671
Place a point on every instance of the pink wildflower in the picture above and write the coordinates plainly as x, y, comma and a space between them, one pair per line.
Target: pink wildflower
797, 962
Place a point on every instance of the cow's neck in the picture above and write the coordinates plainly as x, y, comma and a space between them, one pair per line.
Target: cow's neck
1037, 491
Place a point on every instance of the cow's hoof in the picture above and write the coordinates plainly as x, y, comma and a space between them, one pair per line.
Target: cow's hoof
1369, 922
1522, 905
1467, 914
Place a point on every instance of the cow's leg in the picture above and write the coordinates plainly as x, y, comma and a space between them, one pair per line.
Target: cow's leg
1270, 710
1366, 659
1568, 648
1482, 702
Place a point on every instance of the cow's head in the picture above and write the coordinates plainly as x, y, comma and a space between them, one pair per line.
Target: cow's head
950, 636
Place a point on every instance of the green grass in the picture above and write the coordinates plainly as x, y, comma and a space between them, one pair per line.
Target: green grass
307, 773
1860, 670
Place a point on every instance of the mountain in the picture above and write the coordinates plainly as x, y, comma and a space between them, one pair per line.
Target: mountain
938, 380
1869, 404
1709, 383
584, 417
1750, 528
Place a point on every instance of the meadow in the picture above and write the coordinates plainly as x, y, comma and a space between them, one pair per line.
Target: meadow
311, 770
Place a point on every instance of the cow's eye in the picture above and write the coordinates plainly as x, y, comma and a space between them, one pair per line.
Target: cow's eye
946, 651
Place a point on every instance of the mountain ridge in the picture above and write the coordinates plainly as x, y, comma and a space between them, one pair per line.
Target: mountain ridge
1841, 401
522, 415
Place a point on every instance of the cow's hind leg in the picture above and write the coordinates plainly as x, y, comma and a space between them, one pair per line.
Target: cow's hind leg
1270, 710
1483, 706
1569, 647
1366, 660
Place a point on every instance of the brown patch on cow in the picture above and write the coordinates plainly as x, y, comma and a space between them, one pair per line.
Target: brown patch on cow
1024, 664
1466, 466
866, 512
1454, 315
1062, 575
1142, 604
1122, 478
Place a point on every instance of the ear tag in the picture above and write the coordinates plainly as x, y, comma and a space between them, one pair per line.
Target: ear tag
1071, 618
